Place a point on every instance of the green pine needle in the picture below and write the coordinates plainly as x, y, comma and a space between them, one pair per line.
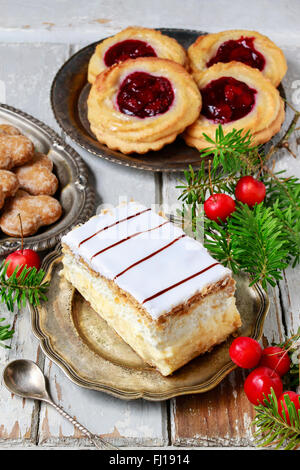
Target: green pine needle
233, 151
28, 287
258, 244
6, 332
197, 184
291, 378
273, 430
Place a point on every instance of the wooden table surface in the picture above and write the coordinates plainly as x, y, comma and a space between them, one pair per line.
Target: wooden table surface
36, 38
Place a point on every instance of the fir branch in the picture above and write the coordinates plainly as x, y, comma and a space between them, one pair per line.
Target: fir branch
217, 240
283, 195
233, 151
291, 378
18, 290
272, 429
6, 332
198, 184
258, 244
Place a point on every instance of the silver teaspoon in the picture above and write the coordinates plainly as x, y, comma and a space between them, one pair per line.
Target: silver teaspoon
24, 378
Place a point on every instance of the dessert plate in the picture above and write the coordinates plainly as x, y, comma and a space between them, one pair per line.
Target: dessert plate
74, 193
69, 95
95, 357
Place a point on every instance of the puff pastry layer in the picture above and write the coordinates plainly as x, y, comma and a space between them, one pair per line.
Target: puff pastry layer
158, 288
265, 118
134, 42
253, 48
129, 133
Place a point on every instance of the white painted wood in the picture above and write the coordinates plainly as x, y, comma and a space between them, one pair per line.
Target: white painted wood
27, 77
284, 314
121, 422
289, 286
27, 70
69, 21
18, 417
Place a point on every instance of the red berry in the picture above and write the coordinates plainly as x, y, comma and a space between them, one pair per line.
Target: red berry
259, 382
21, 258
294, 397
250, 191
245, 352
219, 206
277, 359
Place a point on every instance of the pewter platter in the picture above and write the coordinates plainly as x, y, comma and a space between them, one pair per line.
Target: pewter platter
74, 192
69, 95
92, 355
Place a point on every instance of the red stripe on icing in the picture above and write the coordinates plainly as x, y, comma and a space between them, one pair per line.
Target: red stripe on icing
178, 283
112, 225
128, 238
149, 256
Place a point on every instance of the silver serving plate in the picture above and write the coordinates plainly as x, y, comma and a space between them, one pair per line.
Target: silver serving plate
94, 356
74, 193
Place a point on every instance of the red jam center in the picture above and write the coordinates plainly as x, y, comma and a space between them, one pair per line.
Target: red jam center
226, 100
144, 95
241, 50
129, 49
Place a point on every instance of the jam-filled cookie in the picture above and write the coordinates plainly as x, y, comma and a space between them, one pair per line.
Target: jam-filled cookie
131, 43
238, 97
142, 104
249, 47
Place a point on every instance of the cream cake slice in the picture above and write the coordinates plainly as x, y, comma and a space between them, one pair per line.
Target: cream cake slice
158, 288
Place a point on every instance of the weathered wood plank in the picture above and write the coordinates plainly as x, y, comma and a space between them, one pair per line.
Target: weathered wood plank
123, 423
289, 286
222, 416
50, 23
18, 418
26, 71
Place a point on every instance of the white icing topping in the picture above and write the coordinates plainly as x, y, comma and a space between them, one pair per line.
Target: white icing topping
182, 259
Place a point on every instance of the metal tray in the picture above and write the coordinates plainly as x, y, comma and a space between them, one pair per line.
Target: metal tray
92, 355
69, 94
75, 195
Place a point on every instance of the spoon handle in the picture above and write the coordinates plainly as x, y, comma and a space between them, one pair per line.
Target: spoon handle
96, 440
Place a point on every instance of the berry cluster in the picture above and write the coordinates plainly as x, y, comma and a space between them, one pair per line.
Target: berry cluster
248, 191
270, 365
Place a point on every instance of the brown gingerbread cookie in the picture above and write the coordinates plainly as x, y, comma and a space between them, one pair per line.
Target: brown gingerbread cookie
7, 129
36, 177
15, 150
35, 212
9, 185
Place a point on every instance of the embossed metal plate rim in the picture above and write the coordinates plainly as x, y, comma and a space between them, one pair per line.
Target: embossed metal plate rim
79, 183
118, 392
67, 106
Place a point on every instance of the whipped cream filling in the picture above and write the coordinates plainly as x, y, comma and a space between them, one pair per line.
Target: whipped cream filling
146, 256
